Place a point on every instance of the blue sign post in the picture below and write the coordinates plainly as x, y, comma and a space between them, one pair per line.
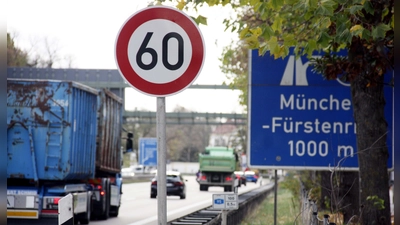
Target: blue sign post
299, 120
148, 151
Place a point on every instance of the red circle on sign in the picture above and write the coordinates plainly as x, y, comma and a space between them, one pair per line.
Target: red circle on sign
132, 77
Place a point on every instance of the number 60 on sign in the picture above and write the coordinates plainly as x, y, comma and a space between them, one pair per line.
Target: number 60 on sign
159, 51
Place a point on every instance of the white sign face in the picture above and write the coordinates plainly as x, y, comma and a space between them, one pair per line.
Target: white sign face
225, 201
169, 41
218, 201
231, 197
159, 51
231, 205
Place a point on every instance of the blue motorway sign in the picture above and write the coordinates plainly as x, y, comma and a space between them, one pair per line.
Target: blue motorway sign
148, 151
299, 120
219, 201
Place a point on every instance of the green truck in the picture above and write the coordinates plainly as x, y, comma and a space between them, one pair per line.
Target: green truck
217, 167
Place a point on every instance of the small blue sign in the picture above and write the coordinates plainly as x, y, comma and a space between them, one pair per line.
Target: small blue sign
148, 151
219, 201
299, 120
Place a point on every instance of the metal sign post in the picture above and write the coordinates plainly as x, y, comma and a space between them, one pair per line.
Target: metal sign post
225, 202
275, 196
160, 51
161, 162
224, 216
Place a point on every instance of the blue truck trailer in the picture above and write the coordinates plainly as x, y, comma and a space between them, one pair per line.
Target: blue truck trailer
62, 138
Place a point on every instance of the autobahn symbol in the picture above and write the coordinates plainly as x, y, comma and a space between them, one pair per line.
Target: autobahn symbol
219, 201
159, 51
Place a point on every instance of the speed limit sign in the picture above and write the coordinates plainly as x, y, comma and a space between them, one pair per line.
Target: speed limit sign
159, 51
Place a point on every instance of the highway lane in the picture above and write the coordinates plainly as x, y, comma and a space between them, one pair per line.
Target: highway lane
139, 209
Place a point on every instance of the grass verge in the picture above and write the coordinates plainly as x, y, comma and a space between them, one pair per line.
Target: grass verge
287, 210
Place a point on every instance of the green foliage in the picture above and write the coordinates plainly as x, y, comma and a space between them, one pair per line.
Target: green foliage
201, 20
234, 65
377, 202
291, 183
15, 56
295, 180
315, 25
287, 210
380, 30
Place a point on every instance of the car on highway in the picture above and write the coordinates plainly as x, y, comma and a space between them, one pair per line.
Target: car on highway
240, 176
176, 185
251, 176
127, 172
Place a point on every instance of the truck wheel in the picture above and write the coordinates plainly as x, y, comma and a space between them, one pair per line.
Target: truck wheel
85, 220
114, 211
153, 196
106, 203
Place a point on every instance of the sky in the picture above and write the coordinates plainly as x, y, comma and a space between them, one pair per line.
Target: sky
83, 33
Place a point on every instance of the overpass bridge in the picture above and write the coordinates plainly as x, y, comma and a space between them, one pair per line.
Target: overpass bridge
112, 80
141, 117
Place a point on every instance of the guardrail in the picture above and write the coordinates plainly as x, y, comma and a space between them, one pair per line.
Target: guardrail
209, 216
138, 178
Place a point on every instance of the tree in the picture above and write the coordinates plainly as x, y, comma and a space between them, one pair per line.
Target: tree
365, 28
15, 56
46, 56
186, 141
333, 196
235, 65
